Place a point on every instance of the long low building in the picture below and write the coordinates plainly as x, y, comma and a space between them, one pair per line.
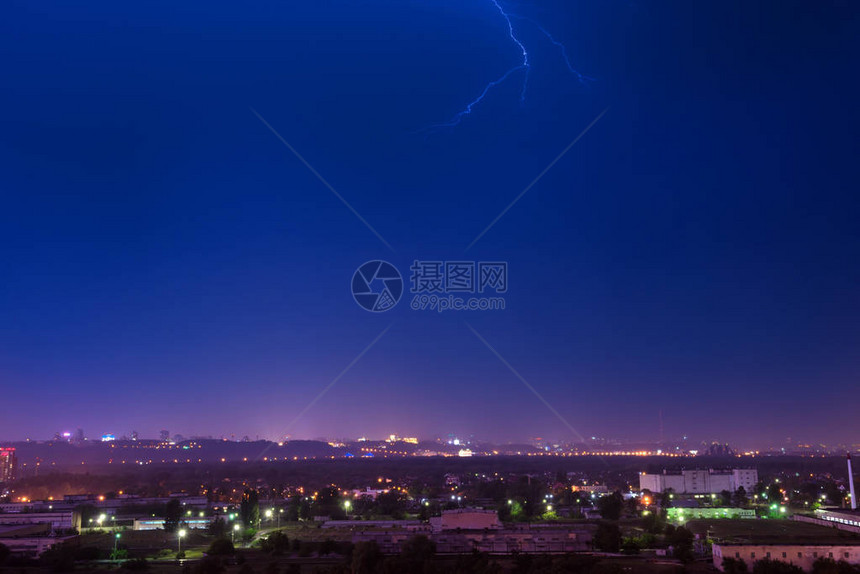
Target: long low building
466, 518
57, 520
802, 555
464, 530
523, 539
158, 523
700, 481
850, 518
71, 502
31, 540
682, 515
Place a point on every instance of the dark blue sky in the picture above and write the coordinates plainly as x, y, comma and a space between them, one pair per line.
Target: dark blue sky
166, 262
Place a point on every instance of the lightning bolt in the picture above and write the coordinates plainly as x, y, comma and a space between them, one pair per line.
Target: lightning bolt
525, 66
581, 77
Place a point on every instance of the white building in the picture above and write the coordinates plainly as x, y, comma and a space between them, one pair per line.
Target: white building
700, 481
803, 555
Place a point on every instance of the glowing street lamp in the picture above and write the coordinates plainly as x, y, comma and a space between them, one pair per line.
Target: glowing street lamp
179, 537
115, 540
233, 533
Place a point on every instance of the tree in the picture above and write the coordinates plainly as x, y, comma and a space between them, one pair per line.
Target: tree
769, 566
366, 556
725, 498
249, 509
119, 554
610, 506
654, 522
221, 547
831, 566
390, 504
740, 498
275, 543
734, 566
418, 551
607, 537
774, 492
293, 509
630, 545
172, 515
304, 509
666, 498
328, 503
209, 565
59, 559
681, 541
217, 527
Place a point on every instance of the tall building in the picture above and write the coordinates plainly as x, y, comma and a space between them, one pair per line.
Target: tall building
7, 465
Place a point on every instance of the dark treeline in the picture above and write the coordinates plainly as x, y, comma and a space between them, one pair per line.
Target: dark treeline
163, 479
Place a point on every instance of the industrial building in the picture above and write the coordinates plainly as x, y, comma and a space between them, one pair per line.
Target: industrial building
802, 555
465, 530
700, 481
29, 534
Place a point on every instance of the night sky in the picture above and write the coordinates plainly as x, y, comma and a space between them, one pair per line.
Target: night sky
167, 263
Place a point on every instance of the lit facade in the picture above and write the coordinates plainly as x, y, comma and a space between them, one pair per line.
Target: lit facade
7, 465
700, 481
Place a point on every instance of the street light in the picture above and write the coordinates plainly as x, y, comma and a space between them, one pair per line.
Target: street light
115, 540
346, 506
280, 512
181, 533
233, 533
